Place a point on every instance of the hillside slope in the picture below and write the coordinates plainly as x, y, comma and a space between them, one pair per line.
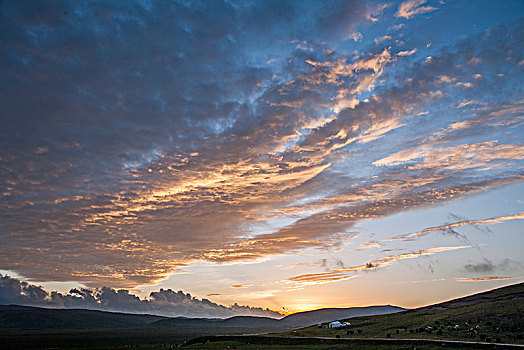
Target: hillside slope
300, 319
15, 317
244, 323
307, 318
496, 315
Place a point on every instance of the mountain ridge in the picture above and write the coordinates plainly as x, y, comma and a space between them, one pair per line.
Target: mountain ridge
300, 319
20, 317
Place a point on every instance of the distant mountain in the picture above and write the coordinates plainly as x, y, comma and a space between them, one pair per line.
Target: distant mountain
13, 317
241, 323
301, 319
307, 318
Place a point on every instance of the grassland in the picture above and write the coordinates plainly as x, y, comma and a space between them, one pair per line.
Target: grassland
316, 346
495, 316
271, 342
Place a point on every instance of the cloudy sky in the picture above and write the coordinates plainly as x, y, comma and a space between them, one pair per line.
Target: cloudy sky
288, 155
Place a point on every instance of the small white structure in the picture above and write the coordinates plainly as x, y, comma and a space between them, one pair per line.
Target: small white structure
345, 324
335, 324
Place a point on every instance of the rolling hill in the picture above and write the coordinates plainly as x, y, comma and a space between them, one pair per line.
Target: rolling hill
301, 319
325, 315
36, 328
496, 315
15, 317
499, 315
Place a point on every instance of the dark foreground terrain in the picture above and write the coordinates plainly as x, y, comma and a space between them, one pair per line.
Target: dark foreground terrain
40, 328
271, 342
475, 322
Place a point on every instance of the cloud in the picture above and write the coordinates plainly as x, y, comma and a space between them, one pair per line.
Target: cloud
483, 279
371, 244
488, 266
449, 227
163, 137
410, 8
479, 155
406, 53
485, 266
350, 272
163, 302
382, 39
465, 103
324, 263
397, 26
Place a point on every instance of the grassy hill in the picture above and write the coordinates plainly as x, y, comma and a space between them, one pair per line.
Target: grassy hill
15, 317
496, 315
39, 328
245, 324
301, 319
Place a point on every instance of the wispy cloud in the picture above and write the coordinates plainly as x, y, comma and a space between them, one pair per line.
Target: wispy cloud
240, 285
482, 155
382, 39
349, 272
325, 263
450, 227
371, 244
488, 266
410, 8
484, 279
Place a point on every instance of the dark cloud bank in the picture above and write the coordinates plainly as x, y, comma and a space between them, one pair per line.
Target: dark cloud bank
164, 302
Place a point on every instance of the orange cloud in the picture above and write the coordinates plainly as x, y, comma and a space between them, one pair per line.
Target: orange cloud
483, 156
241, 285
483, 279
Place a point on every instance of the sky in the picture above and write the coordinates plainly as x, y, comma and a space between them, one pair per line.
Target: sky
286, 155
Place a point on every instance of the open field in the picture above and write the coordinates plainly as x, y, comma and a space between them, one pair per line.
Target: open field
265, 342
127, 340
95, 339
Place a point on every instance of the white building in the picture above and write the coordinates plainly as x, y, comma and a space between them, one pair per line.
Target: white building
335, 324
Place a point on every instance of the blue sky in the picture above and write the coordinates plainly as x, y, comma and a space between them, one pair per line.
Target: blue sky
276, 154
